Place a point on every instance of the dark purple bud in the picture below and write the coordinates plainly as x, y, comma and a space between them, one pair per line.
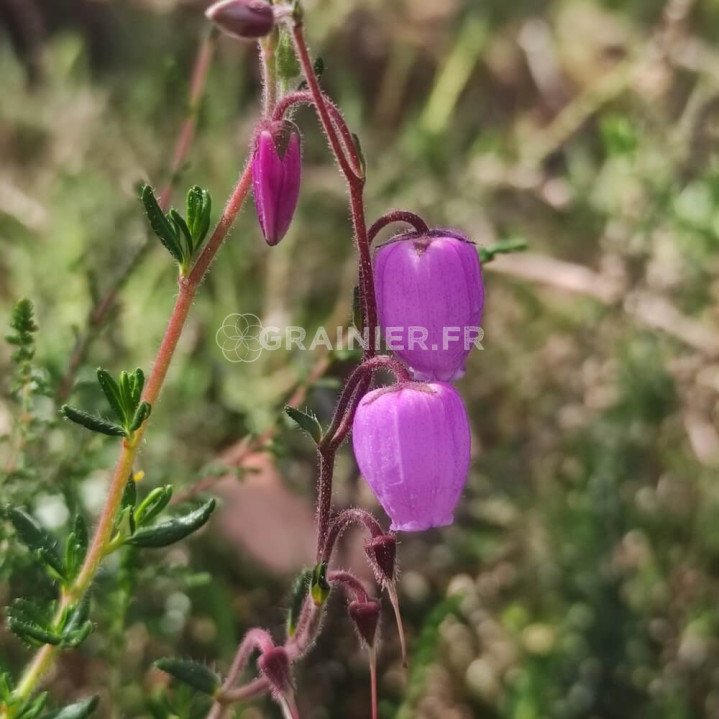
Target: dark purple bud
365, 615
244, 19
276, 174
430, 296
412, 445
275, 665
381, 552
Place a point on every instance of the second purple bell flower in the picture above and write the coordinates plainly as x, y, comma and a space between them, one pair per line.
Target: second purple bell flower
276, 175
412, 444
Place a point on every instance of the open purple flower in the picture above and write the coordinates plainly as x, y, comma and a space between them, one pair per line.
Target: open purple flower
430, 297
276, 173
244, 19
412, 444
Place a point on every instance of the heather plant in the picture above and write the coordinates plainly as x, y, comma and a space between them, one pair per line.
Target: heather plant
578, 575
411, 437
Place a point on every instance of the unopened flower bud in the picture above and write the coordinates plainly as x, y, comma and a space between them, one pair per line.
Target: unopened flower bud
430, 297
276, 175
381, 552
275, 665
412, 445
365, 616
244, 19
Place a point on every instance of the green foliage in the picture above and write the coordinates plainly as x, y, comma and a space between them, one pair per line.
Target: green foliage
192, 673
78, 710
182, 236
307, 422
173, 530
125, 399
299, 591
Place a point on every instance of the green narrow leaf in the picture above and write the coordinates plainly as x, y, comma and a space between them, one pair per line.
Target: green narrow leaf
504, 247
182, 231
76, 548
36, 538
299, 592
32, 708
91, 422
161, 226
197, 675
137, 384
79, 710
112, 391
166, 533
142, 413
153, 504
308, 422
199, 210
129, 494
28, 622
360, 153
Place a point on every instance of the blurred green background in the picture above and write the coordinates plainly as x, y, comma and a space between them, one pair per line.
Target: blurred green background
581, 576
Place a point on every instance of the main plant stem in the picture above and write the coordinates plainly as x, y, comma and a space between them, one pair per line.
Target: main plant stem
331, 120
187, 289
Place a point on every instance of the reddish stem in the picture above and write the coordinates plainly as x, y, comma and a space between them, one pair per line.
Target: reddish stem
350, 584
305, 97
342, 522
397, 216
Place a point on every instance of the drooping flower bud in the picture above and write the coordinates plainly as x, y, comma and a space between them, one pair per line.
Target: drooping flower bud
275, 666
244, 19
365, 616
412, 445
276, 174
381, 552
430, 297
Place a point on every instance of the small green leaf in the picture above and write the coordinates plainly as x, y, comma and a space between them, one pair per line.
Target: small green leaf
199, 210
197, 675
360, 154
161, 226
308, 422
142, 413
112, 392
75, 625
75, 548
129, 495
137, 384
153, 504
32, 708
29, 622
319, 586
183, 231
166, 533
91, 422
487, 254
37, 539
288, 67
299, 592
79, 710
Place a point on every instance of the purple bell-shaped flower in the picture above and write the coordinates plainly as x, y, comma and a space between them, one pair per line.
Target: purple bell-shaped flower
276, 173
412, 444
430, 296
